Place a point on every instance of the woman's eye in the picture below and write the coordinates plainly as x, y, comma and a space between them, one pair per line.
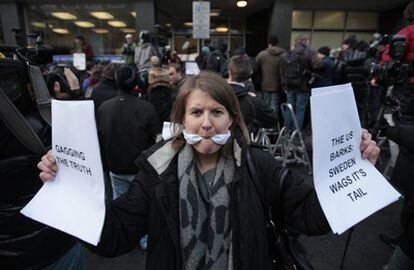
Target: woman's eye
217, 113
196, 113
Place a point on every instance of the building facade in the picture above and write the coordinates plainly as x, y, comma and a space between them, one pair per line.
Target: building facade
104, 23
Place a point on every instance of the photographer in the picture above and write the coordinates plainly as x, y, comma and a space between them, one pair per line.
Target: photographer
403, 256
407, 90
353, 66
25, 243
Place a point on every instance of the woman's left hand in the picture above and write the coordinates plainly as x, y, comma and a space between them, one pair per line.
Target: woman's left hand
369, 148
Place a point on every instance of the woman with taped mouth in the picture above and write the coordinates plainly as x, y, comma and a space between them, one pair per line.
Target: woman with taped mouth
194, 195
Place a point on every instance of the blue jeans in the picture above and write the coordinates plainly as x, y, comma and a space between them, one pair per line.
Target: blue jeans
271, 99
399, 261
120, 183
73, 259
299, 100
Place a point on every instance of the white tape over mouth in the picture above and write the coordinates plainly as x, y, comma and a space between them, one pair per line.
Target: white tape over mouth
220, 139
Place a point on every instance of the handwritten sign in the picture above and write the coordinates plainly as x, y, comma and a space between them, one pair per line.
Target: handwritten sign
74, 201
348, 187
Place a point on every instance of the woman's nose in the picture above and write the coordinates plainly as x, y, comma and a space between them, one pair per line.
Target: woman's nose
206, 123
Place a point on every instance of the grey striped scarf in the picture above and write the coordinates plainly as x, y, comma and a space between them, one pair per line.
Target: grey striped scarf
204, 214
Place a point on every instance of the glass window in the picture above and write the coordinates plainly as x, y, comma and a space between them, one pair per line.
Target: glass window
236, 26
362, 20
235, 42
302, 19
329, 20
330, 39
102, 25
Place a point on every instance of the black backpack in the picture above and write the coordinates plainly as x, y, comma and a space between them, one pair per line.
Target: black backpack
292, 69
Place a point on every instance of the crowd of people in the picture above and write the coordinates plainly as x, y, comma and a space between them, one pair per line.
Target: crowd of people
190, 199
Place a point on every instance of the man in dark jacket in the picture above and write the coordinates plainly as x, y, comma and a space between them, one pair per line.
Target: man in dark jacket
216, 60
106, 88
176, 74
325, 72
128, 126
256, 113
298, 94
268, 62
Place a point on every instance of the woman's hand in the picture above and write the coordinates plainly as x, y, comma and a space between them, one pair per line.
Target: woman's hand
368, 147
48, 167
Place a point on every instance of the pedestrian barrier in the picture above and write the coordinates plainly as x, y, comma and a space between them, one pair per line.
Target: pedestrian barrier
286, 145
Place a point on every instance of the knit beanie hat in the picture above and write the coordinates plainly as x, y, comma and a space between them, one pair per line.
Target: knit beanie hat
324, 50
350, 41
126, 79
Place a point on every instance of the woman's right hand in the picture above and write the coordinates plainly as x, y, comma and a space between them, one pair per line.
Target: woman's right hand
48, 167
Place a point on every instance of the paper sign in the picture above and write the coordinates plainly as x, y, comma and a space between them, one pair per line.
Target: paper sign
191, 68
79, 61
74, 201
348, 187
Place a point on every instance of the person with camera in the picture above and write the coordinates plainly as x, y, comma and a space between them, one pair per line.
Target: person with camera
128, 50
25, 243
195, 194
143, 53
407, 90
403, 174
353, 66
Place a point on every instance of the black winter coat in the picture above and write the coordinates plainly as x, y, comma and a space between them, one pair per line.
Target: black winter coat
151, 206
402, 179
104, 90
128, 126
24, 243
161, 97
255, 112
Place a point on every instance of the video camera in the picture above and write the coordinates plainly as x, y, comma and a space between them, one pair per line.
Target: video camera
31, 56
396, 71
39, 54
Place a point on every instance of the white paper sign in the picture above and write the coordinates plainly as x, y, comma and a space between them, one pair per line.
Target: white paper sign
74, 201
348, 187
191, 68
201, 19
79, 61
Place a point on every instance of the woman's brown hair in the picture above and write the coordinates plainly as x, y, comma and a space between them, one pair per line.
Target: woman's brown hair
219, 90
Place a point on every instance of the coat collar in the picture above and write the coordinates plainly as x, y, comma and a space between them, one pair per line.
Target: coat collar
161, 158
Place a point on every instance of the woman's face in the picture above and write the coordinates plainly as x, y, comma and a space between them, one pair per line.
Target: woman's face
206, 117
